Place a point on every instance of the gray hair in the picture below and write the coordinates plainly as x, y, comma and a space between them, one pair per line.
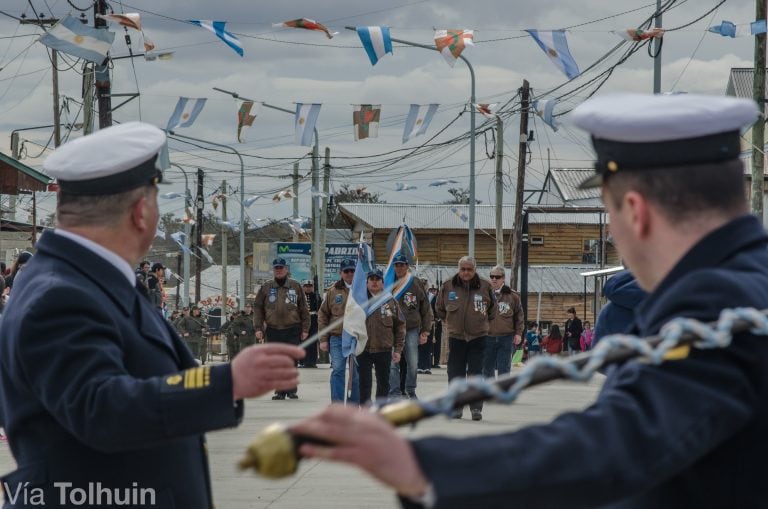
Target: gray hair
106, 210
498, 268
467, 259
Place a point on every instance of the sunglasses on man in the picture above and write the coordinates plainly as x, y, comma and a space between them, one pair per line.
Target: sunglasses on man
348, 271
495, 276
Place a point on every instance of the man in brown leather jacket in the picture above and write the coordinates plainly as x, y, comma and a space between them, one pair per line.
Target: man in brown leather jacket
386, 337
280, 312
466, 303
505, 330
331, 310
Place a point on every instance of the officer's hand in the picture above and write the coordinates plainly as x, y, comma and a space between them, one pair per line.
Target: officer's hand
324, 346
395, 357
518, 339
260, 335
257, 370
423, 337
304, 335
366, 440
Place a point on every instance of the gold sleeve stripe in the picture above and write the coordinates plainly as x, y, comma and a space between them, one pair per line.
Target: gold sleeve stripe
197, 378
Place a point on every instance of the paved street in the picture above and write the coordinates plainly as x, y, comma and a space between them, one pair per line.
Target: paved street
324, 485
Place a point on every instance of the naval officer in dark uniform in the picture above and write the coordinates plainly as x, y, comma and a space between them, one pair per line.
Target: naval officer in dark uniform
686, 433
104, 404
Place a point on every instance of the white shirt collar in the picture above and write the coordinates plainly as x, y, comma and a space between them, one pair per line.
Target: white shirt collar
348, 285
119, 263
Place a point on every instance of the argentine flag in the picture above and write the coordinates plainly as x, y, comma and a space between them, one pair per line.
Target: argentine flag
376, 41
217, 27
545, 109
354, 335
404, 245
186, 112
73, 38
555, 45
304, 122
419, 117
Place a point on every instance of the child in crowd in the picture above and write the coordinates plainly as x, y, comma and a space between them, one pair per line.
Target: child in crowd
586, 337
532, 340
553, 342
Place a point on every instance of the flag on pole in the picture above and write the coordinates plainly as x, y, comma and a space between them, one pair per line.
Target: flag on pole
376, 41
307, 24
555, 45
186, 112
366, 119
245, 119
486, 110
73, 38
419, 118
217, 27
544, 108
450, 43
405, 245
305, 120
354, 335
637, 34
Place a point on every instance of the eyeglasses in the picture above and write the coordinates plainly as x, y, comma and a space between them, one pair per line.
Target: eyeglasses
348, 271
494, 276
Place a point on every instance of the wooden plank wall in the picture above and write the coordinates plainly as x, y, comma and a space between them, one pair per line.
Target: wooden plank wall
563, 245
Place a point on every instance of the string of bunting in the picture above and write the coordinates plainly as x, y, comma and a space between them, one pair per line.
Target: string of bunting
673, 335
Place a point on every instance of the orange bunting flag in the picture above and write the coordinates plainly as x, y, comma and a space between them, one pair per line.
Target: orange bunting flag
486, 110
130, 20
208, 239
244, 119
306, 24
636, 34
282, 195
450, 43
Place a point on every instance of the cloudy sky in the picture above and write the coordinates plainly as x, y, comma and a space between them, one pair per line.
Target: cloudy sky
285, 66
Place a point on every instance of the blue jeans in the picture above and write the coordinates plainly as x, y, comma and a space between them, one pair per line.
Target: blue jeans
338, 367
497, 355
411, 353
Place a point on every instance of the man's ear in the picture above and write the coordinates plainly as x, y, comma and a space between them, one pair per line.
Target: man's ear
638, 213
139, 214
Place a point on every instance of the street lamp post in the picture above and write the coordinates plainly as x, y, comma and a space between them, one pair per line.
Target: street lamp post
318, 251
242, 212
472, 101
187, 206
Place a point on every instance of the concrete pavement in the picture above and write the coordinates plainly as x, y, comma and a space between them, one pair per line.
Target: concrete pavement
321, 484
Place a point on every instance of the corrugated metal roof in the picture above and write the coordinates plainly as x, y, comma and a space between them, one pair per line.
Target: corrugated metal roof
740, 82
567, 181
441, 217
549, 279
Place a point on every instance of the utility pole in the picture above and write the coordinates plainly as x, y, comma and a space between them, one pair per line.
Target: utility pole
223, 252
758, 130
657, 50
295, 201
316, 216
199, 203
499, 191
324, 218
103, 85
522, 155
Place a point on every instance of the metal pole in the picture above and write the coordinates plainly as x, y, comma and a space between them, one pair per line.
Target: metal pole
499, 191
241, 304
472, 101
315, 179
56, 109
295, 201
187, 207
223, 252
657, 52
324, 219
103, 86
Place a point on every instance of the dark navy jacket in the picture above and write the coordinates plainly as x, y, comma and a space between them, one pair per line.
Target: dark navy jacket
624, 295
98, 388
687, 433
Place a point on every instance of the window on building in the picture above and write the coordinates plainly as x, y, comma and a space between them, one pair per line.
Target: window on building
591, 251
